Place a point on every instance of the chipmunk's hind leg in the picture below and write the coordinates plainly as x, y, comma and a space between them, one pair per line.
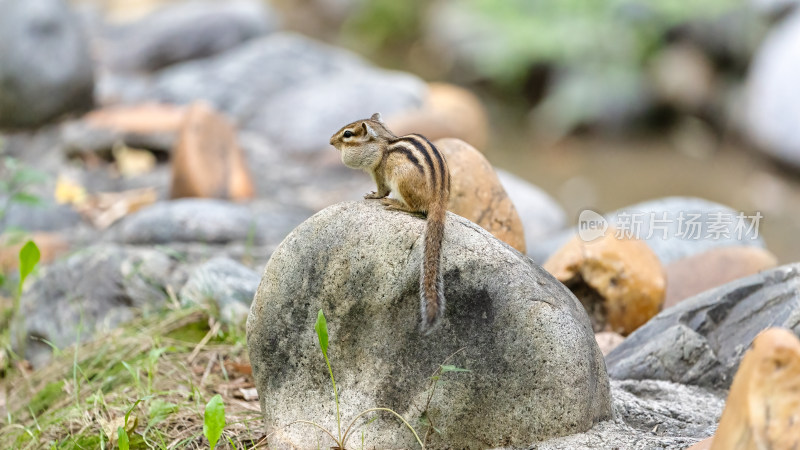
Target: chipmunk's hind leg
393, 204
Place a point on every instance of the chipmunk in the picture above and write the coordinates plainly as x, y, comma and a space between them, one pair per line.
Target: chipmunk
412, 168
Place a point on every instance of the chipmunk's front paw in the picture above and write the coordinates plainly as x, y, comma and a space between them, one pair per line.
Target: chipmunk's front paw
373, 195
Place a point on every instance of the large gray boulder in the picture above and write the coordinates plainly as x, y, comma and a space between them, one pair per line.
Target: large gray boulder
701, 340
536, 370
45, 67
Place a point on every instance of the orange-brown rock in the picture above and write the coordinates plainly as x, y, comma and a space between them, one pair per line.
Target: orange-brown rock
51, 245
763, 406
697, 273
476, 193
607, 341
448, 111
620, 282
142, 118
207, 160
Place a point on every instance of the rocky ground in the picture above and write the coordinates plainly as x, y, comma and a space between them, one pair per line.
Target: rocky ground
182, 161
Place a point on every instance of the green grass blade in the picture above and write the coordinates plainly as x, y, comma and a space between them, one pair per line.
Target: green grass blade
446, 369
322, 331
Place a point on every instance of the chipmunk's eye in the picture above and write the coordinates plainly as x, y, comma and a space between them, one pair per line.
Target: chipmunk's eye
348, 134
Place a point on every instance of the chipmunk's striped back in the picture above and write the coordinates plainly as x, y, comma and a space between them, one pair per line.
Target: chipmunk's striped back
425, 157
414, 169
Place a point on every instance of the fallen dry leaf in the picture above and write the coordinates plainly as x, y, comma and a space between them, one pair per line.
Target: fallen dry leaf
69, 192
132, 162
105, 208
110, 426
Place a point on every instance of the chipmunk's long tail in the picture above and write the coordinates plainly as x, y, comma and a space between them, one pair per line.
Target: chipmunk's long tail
431, 286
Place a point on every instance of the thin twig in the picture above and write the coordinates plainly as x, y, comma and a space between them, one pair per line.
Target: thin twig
211, 333
211, 360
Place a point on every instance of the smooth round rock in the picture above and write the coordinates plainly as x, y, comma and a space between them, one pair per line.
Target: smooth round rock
477, 194
535, 368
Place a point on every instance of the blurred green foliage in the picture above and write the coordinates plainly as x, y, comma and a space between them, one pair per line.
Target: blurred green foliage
583, 32
591, 57
503, 39
378, 24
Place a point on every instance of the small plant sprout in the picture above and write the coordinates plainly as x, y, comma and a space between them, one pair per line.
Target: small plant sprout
29, 257
214, 420
425, 418
321, 327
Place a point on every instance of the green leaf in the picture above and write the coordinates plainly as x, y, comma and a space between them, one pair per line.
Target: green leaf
214, 420
25, 176
25, 198
446, 369
29, 256
122, 435
2, 280
423, 419
160, 410
322, 332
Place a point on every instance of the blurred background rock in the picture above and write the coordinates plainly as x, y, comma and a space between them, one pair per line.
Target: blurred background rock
600, 104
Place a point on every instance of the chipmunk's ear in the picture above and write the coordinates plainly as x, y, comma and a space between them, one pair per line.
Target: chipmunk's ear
369, 130
376, 117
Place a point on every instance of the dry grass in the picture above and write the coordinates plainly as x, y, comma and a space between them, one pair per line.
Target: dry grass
160, 371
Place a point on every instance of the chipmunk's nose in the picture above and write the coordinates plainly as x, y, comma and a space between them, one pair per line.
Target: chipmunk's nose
332, 139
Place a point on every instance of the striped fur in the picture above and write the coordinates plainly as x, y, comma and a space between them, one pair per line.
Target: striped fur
414, 169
